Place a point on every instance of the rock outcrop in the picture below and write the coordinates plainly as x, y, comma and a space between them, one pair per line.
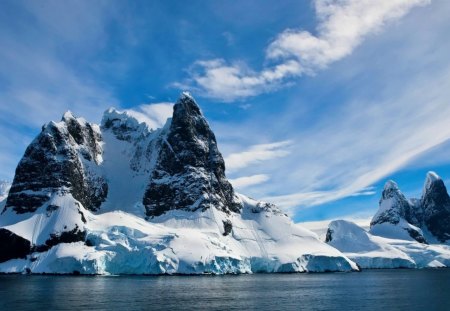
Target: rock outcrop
430, 214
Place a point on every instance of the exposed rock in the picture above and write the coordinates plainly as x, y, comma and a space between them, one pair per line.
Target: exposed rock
431, 212
74, 235
435, 203
227, 227
63, 157
190, 171
393, 205
12, 246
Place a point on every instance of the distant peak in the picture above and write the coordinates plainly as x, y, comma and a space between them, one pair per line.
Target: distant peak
391, 185
187, 95
391, 190
68, 115
431, 179
432, 176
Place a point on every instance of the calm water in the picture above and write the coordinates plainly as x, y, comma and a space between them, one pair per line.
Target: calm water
369, 290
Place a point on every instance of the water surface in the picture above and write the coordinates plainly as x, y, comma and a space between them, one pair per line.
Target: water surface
368, 290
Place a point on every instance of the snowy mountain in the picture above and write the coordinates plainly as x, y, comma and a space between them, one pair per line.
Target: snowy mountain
404, 233
126, 198
427, 218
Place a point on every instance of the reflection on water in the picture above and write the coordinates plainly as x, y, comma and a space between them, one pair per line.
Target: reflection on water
369, 290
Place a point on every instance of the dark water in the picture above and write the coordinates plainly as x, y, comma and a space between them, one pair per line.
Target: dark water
369, 290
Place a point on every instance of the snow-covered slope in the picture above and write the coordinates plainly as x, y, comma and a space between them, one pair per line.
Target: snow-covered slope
372, 251
125, 198
260, 240
403, 233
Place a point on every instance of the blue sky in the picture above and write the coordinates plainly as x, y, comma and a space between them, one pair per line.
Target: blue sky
315, 104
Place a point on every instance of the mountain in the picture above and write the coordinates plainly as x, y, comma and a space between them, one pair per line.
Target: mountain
397, 217
371, 251
404, 233
429, 215
126, 198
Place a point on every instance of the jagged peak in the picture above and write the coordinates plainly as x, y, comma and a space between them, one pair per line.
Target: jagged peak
430, 179
186, 105
69, 117
390, 185
434, 189
113, 118
391, 190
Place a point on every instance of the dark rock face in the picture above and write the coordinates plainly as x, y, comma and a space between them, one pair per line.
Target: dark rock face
431, 212
435, 202
190, 171
227, 227
329, 235
62, 158
398, 205
74, 235
12, 246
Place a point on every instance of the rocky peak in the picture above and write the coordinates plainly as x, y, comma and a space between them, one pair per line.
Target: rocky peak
190, 171
431, 212
434, 191
392, 206
391, 191
124, 125
60, 158
435, 203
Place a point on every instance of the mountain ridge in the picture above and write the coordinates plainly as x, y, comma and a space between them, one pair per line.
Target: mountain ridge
404, 233
124, 198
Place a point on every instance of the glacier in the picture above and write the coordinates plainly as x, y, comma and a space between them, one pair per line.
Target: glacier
178, 242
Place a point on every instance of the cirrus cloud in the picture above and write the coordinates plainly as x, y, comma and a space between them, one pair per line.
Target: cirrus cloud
342, 26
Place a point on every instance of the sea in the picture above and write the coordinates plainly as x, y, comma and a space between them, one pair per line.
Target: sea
368, 290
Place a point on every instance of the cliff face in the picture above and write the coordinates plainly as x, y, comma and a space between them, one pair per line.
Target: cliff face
63, 158
190, 171
435, 203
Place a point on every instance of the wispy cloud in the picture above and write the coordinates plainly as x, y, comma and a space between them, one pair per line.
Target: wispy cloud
154, 115
39, 82
342, 26
256, 154
246, 181
396, 111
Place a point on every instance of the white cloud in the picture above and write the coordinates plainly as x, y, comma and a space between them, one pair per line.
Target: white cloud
343, 24
256, 154
155, 115
393, 111
246, 181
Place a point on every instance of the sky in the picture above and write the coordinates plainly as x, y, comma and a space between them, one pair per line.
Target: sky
315, 104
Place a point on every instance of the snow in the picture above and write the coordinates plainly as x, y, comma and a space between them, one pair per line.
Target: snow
4, 189
38, 226
178, 242
373, 251
397, 231
321, 227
